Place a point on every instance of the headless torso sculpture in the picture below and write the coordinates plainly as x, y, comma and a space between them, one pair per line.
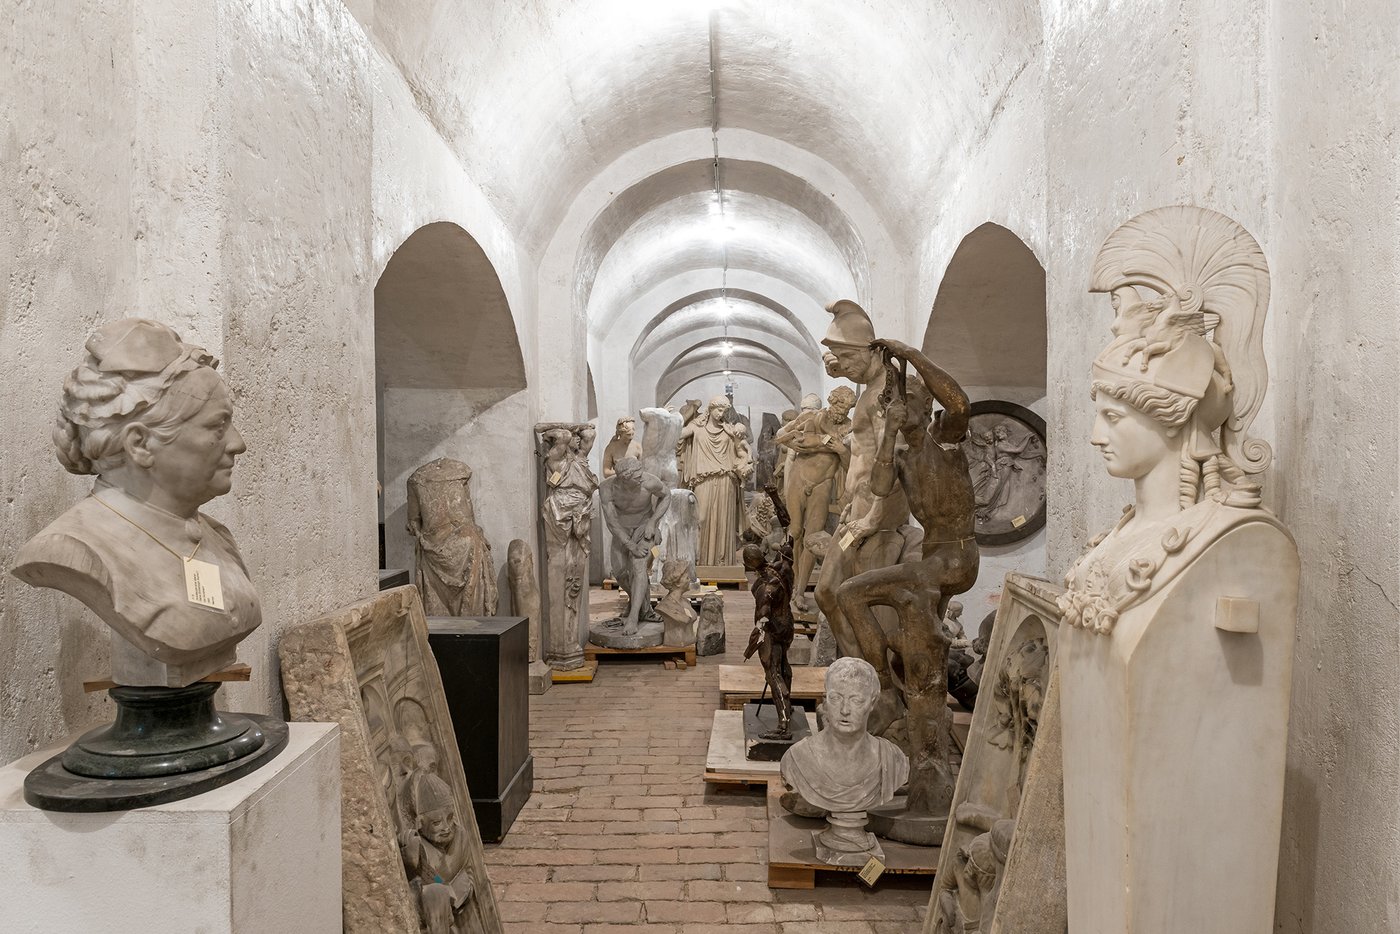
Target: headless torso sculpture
1178, 645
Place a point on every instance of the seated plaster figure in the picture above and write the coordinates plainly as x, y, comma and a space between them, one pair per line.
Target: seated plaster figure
149, 416
844, 770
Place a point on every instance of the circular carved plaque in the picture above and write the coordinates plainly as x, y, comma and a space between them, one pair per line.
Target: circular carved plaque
1006, 456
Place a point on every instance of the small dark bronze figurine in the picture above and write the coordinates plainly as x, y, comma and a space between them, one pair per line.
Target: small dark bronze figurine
771, 563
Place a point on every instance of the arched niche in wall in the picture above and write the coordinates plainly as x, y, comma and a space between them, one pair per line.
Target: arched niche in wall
987, 325
449, 378
987, 328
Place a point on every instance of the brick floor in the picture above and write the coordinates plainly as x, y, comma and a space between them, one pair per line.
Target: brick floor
622, 833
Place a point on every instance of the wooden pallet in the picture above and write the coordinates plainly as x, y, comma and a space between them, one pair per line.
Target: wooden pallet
725, 763
721, 575
686, 653
741, 684
792, 862
582, 675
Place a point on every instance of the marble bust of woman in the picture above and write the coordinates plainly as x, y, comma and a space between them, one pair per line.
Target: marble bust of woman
148, 415
1178, 645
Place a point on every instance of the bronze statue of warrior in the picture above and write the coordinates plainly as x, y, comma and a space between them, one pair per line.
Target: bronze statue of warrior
771, 564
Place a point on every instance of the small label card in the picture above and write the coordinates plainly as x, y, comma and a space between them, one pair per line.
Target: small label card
847, 539
871, 871
1018, 522
826, 439
202, 584
555, 477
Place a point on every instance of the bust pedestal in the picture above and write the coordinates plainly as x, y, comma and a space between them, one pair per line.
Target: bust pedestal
484, 662
261, 853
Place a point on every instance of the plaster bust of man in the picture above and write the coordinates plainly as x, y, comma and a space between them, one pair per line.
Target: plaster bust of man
148, 415
843, 769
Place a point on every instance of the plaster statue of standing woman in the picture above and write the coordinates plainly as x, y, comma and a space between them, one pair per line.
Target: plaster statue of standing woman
717, 462
456, 576
1177, 644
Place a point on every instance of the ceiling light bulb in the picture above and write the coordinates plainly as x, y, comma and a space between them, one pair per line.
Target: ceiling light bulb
726, 348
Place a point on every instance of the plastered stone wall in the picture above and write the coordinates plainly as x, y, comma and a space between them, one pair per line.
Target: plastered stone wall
1280, 115
171, 180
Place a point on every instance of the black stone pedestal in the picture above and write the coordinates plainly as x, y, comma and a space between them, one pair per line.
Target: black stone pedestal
485, 668
166, 744
760, 725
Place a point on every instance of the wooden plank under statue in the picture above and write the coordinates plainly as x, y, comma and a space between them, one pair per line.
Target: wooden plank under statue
412, 854
983, 821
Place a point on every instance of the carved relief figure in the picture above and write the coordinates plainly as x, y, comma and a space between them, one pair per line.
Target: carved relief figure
819, 444
969, 897
148, 415
932, 471
1001, 466
1195, 585
623, 444
717, 462
568, 522
772, 614
456, 575
1018, 692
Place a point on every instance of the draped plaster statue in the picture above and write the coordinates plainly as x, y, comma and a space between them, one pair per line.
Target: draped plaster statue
717, 462
932, 471
623, 444
784, 454
456, 575
567, 512
819, 444
844, 770
633, 503
1177, 653
868, 534
149, 416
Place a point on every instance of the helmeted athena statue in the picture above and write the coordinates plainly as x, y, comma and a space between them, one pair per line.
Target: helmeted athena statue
1178, 639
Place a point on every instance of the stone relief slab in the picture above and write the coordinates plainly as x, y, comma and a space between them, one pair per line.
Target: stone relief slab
412, 855
987, 800
1006, 457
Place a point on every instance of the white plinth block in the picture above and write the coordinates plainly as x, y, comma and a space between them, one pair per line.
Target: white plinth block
260, 854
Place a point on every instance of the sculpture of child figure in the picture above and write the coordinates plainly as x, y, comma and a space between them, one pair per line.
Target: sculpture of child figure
435, 853
678, 616
843, 770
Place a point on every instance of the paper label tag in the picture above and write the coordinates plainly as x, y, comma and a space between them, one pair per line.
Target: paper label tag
1018, 521
826, 439
202, 584
847, 539
554, 478
871, 871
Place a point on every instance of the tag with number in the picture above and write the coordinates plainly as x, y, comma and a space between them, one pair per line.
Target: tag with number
871, 871
202, 584
555, 477
826, 439
847, 539
1018, 522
